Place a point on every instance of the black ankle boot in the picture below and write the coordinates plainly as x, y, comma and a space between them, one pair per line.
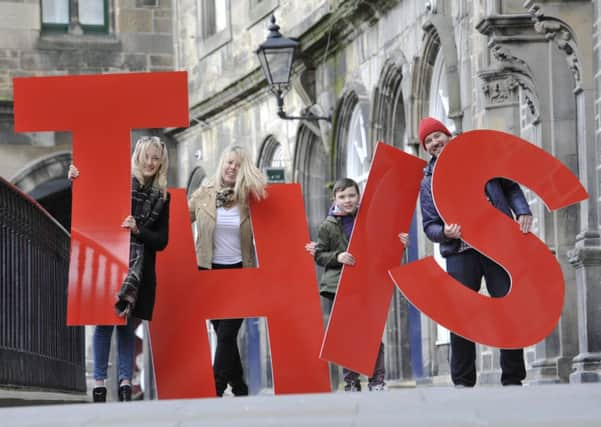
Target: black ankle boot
125, 393
239, 388
99, 394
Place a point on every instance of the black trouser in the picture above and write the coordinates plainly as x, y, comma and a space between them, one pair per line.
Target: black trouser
468, 267
227, 366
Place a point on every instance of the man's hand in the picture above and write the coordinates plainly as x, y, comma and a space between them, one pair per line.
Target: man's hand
452, 231
525, 222
404, 238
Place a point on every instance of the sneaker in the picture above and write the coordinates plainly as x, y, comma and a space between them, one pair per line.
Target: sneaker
125, 393
99, 394
377, 387
352, 386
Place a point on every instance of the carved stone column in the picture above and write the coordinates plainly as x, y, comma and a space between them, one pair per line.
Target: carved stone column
524, 60
585, 255
587, 262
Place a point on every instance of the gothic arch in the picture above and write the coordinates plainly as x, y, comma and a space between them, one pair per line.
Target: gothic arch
388, 124
311, 171
439, 39
45, 180
354, 96
266, 153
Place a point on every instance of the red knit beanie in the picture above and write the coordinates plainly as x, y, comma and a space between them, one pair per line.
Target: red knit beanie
429, 125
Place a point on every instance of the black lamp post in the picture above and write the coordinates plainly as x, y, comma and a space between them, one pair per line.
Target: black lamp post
276, 55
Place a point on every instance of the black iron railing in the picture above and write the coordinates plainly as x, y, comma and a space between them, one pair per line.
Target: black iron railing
37, 349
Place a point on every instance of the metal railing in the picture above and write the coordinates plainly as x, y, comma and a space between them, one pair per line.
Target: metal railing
37, 349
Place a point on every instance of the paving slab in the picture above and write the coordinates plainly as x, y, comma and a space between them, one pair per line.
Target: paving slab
548, 406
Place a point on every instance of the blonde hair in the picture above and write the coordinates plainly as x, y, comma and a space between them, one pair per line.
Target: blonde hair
159, 180
250, 179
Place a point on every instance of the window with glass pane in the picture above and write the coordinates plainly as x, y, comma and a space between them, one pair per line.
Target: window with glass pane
92, 15
92, 12
213, 16
55, 12
357, 152
278, 160
220, 15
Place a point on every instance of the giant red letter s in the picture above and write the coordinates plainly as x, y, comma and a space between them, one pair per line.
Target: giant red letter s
283, 289
100, 111
531, 309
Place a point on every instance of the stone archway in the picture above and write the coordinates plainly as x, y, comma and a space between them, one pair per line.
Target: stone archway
45, 180
388, 124
312, 172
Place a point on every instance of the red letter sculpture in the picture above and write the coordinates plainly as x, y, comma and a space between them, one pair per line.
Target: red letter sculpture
531, 309
283, 289
100, 111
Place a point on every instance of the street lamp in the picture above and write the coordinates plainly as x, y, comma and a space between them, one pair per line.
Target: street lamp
276, 55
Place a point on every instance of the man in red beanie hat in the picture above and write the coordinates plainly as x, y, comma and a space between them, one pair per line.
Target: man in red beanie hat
429, 125
465, 264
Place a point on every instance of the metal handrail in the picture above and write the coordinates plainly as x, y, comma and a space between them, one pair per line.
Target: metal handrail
37, 349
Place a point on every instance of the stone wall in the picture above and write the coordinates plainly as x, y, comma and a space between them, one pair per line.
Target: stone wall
139, 38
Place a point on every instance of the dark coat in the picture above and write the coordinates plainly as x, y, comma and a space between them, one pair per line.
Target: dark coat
505, 195
155, 239
331, 241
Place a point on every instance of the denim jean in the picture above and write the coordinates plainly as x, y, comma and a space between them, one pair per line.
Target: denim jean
468, 267
125, 349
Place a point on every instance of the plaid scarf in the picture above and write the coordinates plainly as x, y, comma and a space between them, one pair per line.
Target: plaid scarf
146, 206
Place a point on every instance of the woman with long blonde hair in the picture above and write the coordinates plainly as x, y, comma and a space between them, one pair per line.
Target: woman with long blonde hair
149, 228
225, 240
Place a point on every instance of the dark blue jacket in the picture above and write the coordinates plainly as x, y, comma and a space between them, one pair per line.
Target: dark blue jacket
505, 195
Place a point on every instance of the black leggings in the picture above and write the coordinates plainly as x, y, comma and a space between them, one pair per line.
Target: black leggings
227, 366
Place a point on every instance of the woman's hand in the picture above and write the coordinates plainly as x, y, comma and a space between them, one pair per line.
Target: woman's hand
346, 258
404, 238
130, 223
73, 172
310, 247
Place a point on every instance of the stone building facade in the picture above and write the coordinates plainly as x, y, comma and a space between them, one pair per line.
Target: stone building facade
523, 67
531, 68
58, 37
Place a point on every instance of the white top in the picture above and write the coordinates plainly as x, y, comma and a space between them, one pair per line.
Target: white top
226, 240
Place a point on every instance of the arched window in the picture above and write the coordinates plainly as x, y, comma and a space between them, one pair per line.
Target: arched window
271, 154
388, 122
358, 154
439, 108
311, 171
353, 150
439, 98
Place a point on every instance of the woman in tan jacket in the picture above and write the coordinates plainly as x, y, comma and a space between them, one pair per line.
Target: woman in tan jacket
225, 240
